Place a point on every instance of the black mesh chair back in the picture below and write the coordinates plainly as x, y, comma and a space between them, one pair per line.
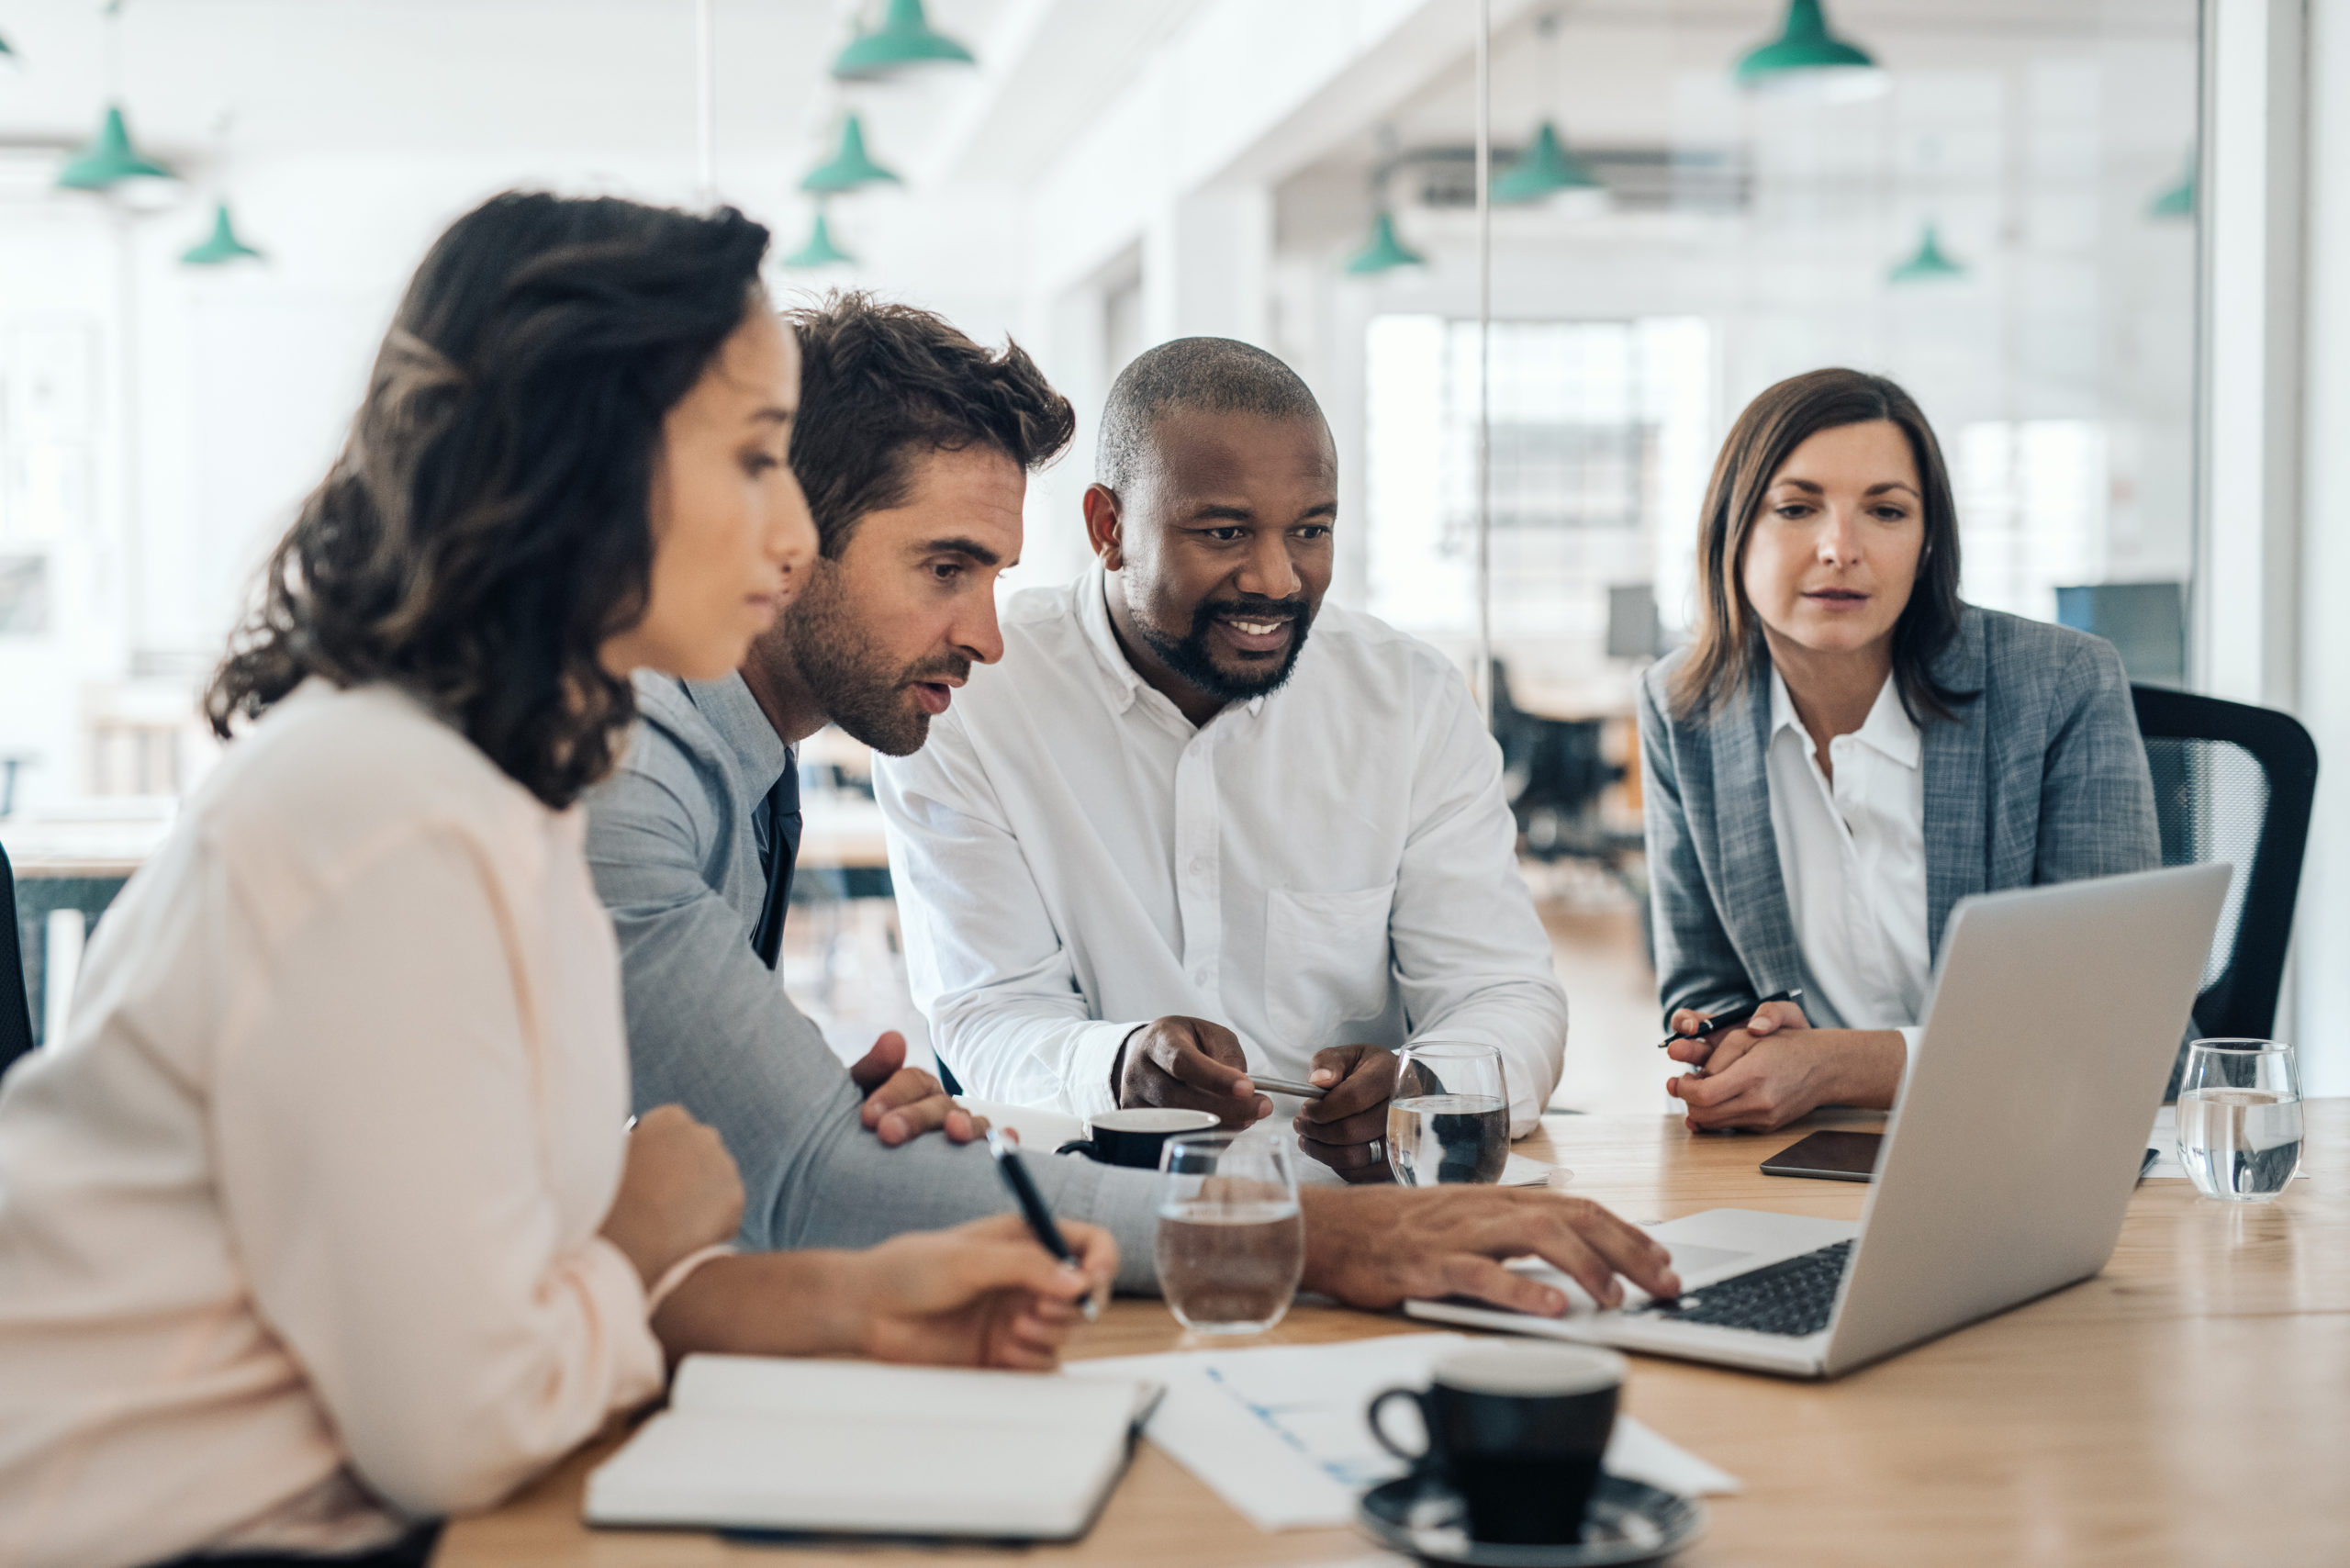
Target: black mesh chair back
2234, 782
1552, 774
16, 1012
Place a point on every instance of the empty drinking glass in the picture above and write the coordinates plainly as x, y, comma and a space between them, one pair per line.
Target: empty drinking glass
1231, 1241
1449, 1122
2240, 1118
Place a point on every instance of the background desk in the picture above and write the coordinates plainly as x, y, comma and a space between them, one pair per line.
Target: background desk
2189, 1404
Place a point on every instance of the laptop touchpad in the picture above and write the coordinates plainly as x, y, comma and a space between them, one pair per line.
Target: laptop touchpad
1691, 1260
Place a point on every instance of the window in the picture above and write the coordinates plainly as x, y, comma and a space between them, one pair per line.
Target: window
1600, 434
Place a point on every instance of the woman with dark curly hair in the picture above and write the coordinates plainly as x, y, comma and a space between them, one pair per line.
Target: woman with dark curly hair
322, 1221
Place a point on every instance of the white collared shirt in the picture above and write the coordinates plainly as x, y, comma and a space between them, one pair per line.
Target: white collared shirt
1330, 864
1853, 856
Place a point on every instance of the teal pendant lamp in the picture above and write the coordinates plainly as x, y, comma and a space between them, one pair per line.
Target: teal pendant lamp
820, 251
223, 247
1929, 263
904, 38
1383, 253
1807, 57
2178, 201
108, 161
848, 168
1544, 169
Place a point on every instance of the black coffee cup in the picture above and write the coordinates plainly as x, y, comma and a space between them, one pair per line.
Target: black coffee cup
1134, 1137
1518, 1430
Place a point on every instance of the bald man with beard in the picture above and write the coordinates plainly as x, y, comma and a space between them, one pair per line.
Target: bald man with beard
913, 445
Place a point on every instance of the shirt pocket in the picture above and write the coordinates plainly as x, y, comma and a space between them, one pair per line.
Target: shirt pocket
1328, 963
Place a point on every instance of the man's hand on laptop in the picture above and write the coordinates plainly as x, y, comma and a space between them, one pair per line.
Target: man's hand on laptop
1373, 1247
1187, 1064
1344, 1129
902, 1103
1767, 1072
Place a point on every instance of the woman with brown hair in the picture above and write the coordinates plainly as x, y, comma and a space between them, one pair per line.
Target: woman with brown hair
322, 1221
1846, 749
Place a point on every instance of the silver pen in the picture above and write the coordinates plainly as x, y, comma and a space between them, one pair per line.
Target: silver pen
1286, 1086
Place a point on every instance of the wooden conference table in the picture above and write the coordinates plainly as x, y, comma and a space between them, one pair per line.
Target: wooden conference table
2191, 1403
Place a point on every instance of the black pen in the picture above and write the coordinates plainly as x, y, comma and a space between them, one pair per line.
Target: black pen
1004, 1144
1715, 1026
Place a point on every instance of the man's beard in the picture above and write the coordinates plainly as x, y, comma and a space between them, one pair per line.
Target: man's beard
844, 672
1189, 656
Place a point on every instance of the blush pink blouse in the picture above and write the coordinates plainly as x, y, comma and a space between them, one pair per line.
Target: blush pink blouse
298, 1221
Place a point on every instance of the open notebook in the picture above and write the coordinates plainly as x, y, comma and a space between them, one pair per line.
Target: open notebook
850, 1447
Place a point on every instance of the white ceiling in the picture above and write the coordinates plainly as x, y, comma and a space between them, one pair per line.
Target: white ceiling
583, 78
613, 79
1617, 73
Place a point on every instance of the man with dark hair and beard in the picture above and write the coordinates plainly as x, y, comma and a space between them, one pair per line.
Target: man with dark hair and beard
913, 446
1199, 824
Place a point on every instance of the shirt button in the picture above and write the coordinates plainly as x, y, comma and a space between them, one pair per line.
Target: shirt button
1199, 866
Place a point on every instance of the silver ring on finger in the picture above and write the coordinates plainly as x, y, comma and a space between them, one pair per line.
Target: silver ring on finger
1378, 1148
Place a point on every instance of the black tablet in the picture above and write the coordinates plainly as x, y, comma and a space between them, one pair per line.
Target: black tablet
1829, 1155
1851, 1156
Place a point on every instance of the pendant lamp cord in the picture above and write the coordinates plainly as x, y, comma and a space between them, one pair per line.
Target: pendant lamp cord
1482, 687
705, 102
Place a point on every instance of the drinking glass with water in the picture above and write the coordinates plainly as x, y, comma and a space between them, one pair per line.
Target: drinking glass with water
2240, 1118
1231, 1241
1449, 1122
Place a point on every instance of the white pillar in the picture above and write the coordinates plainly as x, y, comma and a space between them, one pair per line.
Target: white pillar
2247, 597
2324, 927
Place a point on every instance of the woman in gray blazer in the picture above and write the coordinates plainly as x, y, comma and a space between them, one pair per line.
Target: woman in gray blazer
1846, 750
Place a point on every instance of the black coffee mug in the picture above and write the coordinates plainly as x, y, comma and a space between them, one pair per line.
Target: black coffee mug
1135, 1137
1518, 1430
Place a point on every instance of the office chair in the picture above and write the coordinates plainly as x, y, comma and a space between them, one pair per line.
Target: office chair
15, 1010
1552, 774
2233, 782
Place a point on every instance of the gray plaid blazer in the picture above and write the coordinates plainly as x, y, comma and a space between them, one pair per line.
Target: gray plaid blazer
2042, 778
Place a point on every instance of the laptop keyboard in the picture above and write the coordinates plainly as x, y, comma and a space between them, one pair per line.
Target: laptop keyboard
1794, 1297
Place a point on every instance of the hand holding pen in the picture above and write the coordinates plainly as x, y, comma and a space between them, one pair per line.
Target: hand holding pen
1692, 1028
1004, 1144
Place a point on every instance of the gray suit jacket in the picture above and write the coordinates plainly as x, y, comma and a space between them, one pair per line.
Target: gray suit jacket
2042, 778
669, 841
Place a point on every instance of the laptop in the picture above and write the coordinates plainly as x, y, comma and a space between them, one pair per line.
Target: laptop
2057, 1014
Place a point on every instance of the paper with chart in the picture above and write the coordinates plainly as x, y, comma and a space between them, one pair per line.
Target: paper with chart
1279, 1430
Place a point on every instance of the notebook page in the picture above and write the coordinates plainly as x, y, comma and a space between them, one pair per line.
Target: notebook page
823, 1390
759, 1443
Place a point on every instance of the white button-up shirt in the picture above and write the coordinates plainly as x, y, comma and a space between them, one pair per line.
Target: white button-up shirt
1330, 864
1852, 854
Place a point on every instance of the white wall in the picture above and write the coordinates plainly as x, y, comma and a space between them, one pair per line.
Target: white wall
347, 136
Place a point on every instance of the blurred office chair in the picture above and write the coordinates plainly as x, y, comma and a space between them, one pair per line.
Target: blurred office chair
2233, 782
1553, 774
16, 1009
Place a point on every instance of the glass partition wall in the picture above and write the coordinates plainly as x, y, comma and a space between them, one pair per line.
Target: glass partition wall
2000, 216
1991, 201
